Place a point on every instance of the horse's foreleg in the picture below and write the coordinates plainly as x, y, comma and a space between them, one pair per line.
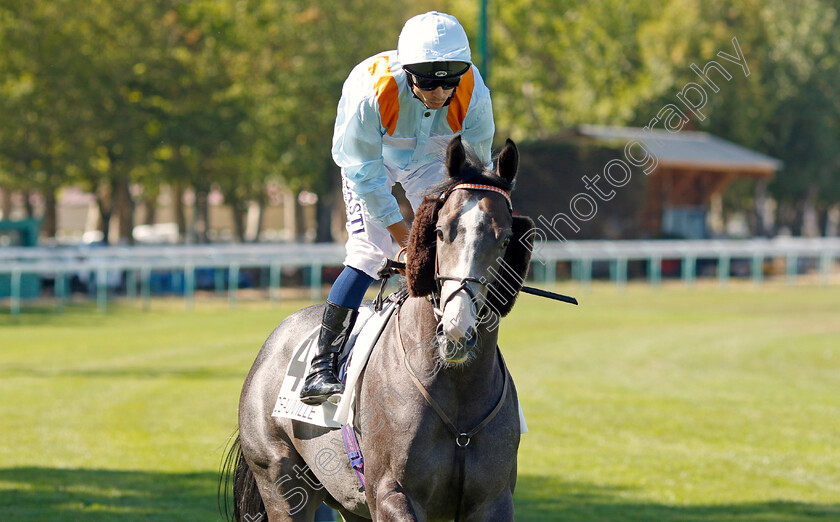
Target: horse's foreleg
350, 517
392, 503
498, 510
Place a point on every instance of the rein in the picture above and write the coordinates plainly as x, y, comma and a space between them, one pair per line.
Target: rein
462, 439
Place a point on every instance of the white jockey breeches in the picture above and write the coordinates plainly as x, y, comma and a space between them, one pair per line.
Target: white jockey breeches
369, 242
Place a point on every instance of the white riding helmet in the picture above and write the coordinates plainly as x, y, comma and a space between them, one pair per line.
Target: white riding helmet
438, 42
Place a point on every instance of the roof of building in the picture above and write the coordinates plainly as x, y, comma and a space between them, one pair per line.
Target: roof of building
688, 149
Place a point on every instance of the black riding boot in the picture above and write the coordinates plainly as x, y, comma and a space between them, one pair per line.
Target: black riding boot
322, 381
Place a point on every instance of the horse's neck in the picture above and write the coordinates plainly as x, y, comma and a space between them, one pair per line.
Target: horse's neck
474, 384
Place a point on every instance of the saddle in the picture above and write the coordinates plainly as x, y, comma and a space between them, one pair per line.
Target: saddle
352, 360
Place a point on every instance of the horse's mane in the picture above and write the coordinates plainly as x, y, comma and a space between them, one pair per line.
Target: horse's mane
474, 171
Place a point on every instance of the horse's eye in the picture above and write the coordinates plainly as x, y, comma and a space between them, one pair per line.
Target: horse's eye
506, 242
440, 235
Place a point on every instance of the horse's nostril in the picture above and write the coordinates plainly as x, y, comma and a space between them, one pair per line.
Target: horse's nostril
448, 349
439, 333
471, 338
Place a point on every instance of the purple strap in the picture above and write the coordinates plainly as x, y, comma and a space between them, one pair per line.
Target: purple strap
357, 462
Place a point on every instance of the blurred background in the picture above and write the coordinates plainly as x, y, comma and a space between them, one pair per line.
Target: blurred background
211, 121
182, 148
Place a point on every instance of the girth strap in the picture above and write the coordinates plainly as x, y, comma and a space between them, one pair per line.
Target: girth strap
462, 439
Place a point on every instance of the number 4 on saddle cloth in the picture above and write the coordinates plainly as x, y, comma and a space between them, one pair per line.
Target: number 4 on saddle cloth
366, 332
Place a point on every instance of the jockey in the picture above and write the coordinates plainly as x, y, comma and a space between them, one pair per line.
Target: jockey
398, 112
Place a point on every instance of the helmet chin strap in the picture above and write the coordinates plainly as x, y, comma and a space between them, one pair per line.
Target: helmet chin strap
410, 79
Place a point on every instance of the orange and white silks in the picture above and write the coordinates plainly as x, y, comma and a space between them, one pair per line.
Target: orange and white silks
387, 94
461, 102
382, 127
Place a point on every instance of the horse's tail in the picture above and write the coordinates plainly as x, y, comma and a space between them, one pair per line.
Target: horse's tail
236, 475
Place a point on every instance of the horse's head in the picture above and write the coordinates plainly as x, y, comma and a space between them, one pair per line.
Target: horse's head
467, 249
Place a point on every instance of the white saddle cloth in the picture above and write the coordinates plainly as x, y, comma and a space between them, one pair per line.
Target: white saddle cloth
361, 340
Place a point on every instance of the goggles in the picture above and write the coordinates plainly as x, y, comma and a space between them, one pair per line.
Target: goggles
431, 75
430, 84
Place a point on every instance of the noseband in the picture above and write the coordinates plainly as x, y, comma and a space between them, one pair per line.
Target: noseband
463, 281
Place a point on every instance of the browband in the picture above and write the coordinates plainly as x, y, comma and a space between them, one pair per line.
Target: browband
475, 186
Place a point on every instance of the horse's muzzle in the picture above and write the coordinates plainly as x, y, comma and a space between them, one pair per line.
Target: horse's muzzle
455, 350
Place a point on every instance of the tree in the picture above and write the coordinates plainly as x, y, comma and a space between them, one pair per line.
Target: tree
34, 150
786, 107
559, 63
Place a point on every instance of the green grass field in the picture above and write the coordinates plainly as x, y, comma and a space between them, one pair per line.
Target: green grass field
674, 405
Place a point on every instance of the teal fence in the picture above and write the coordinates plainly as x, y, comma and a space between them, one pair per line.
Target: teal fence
134, 269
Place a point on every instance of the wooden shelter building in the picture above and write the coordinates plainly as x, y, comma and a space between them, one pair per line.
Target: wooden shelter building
692, 167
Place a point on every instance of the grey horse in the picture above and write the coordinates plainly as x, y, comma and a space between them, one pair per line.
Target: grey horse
436, 413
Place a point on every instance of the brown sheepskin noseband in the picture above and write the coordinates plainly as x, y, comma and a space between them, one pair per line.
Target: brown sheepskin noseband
509, 278
422, 249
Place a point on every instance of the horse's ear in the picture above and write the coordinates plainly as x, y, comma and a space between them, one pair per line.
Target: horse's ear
508, 161
421, 250
456, 157
514, 267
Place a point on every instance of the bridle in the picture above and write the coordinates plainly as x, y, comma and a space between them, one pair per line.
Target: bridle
462, 438
463, 282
